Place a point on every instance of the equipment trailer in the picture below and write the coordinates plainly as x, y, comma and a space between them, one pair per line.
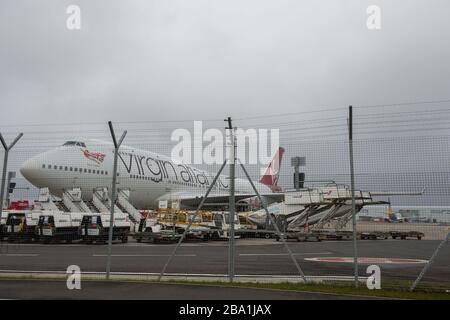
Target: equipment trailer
319, 235
408, 234
149, 231
255, 233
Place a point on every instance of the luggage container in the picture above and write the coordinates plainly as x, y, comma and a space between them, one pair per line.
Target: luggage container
95, 227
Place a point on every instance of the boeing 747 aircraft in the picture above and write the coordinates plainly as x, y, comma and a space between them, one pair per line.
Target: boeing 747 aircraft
150, 177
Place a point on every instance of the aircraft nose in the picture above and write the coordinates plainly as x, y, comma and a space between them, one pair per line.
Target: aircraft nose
29, 169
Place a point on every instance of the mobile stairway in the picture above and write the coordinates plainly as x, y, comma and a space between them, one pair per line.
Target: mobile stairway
102, 202
45, 201
73, 201
123, 198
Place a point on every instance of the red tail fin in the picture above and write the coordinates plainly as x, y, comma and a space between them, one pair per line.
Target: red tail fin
272, 172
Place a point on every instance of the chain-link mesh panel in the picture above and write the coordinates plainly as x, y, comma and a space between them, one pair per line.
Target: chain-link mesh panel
59, 209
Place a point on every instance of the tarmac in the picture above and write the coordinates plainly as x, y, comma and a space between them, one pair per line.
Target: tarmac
257, 258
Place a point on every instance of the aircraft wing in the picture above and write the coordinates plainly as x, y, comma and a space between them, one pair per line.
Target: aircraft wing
191, 200
398, 193
221, 199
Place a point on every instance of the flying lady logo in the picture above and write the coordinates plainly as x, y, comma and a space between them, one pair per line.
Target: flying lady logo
94, 156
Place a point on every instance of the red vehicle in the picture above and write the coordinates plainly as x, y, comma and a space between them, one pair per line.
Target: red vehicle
19, 205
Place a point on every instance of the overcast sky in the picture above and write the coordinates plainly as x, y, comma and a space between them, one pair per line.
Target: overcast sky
152, 60
205, 59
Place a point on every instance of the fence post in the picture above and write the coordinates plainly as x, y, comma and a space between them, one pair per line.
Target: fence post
429, 263
231, 203
113, 195
5, 165
352, 182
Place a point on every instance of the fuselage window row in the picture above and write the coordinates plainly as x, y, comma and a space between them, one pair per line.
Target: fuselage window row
75, 169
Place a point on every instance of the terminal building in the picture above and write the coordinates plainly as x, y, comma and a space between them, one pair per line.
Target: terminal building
431, 214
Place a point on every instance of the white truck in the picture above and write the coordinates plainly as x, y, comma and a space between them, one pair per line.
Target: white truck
19, 225
59, 226
220, 225
95, 227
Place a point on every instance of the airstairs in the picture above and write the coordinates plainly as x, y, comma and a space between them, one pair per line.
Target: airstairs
45, 201
123, 197
323, 205
102, 202
73, 201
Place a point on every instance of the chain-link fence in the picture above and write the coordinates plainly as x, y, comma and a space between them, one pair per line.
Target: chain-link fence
293, 198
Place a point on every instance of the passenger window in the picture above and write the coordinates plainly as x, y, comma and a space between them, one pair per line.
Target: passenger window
65, 168
43, 166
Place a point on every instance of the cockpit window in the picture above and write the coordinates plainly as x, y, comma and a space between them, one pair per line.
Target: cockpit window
74, 143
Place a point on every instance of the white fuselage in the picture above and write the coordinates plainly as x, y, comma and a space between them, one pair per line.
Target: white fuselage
149, 176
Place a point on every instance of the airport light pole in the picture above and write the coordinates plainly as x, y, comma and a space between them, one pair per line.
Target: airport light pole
352, 182
11, 175
113, 195
5, 165
299, 178
232, 202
